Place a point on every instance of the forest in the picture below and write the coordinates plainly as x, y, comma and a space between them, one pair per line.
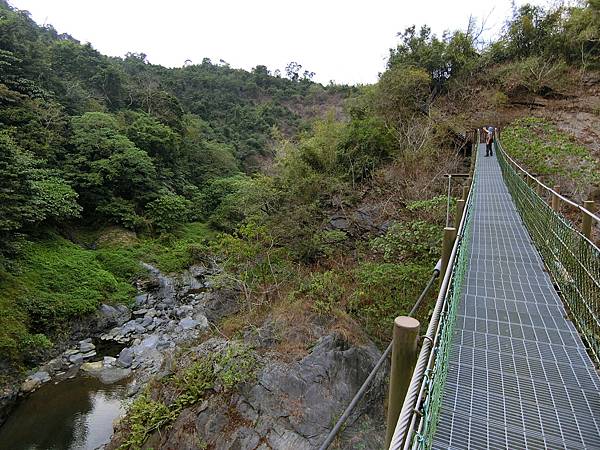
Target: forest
107, 161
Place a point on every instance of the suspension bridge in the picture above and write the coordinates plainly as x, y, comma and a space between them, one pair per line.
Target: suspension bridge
506, 363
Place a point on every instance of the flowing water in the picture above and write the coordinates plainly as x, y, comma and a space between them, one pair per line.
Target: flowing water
73, 414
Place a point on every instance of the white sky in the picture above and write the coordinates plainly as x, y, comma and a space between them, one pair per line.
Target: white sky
345, 41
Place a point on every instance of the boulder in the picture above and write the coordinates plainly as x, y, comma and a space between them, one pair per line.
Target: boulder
76, 358
34, 381
220, 303
109, 361
106, 374
289, 405
125, 358
92, 367
85, 347
339, 223
109, 316
89, 354
30, 385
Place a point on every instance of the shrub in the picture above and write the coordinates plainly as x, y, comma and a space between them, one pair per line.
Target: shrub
415, 241
168, 211
325, 290
534, 75
384, 291
499, 99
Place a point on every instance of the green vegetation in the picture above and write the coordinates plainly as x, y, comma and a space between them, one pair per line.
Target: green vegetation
554, 155
222, 371
384, 291
121, 141
56, 280
171, 166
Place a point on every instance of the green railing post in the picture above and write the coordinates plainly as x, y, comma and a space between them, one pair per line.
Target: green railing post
586, 223
404, 358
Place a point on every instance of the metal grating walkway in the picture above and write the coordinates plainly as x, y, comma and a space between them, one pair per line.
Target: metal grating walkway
519, 376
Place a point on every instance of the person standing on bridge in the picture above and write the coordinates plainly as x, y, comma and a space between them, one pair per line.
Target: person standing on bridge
489, 140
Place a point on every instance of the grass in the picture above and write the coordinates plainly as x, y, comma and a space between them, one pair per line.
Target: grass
546, 151
56, 280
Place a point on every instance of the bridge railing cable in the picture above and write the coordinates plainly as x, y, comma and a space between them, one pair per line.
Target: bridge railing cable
418, 418
571, 257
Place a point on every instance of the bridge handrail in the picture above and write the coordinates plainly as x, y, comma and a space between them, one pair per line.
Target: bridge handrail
535, 180
420, 393
572, 259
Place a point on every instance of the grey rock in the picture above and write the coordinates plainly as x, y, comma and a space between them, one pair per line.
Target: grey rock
166, 286
85, 347
55, 365
110, 315
219, 304
322, 383
163, 343
339, 223
30, 385
283, 438
188, 324
76, 358
148, 343
42, 376
111, 375
141, 299
131, 327
183, 310
109, 361
106, 374
364, 218
198, 271
70, 352
125, 358
190, 282
34, 381
243, 438
89, 354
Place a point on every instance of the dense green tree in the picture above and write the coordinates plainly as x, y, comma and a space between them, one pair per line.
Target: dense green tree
28, 194
156, 139
105, 164
168, 211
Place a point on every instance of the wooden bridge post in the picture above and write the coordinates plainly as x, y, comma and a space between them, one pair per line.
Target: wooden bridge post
447, 243
404, 358
586, 224
465, 193
555, 200
460, 207
540, 190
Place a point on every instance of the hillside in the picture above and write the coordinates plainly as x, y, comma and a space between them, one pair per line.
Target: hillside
245, 238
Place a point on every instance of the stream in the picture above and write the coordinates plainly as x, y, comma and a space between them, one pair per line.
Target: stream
78, 413
73, 414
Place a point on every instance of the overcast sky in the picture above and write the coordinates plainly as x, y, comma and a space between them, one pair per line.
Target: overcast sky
345, 41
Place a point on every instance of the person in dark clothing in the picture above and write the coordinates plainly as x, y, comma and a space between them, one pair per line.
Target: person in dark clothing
489, 140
